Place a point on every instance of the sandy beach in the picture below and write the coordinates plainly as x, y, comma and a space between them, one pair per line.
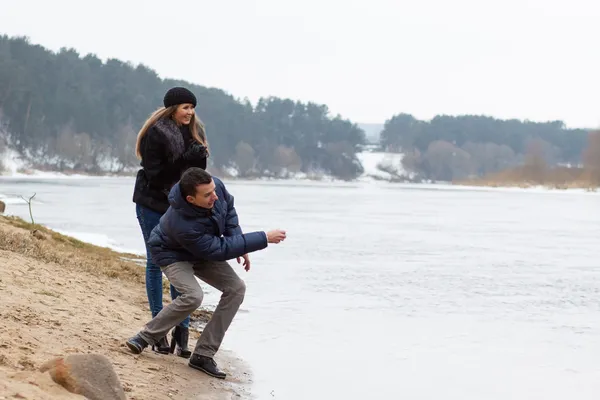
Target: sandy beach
61, 296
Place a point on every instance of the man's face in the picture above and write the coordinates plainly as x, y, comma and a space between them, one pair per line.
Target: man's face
205, 196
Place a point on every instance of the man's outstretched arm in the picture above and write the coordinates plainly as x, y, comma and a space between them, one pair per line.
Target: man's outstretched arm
213, 248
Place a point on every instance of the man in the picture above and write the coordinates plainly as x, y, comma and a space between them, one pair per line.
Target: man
195, 237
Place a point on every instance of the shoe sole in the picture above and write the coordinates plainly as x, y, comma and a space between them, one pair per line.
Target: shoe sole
207, 372
134, 349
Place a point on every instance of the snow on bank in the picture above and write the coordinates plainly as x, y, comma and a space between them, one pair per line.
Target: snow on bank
371, 162
11, 161
381, 166
540, 189
52, 175
377, 166
98, 239
13, 164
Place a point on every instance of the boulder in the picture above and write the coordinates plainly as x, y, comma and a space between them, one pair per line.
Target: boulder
90, 375
39, 234
2, 207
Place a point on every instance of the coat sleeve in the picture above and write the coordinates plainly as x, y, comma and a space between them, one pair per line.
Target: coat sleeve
232, 223
154, 158
196, 161
213, 248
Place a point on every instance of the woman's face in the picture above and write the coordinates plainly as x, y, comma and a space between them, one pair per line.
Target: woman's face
183, 114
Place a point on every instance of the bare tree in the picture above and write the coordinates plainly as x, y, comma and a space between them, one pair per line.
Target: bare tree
447, 162
3, 137
124, 148
244, 158
285, 159
77, 149
536, 164
591, 158
412, 161
490, 157
28, 201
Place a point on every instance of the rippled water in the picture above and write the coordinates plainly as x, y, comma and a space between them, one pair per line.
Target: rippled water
393, 291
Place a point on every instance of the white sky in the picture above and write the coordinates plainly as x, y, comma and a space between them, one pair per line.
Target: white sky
367, 60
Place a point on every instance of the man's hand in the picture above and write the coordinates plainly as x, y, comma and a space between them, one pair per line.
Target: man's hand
246, 261
276, 236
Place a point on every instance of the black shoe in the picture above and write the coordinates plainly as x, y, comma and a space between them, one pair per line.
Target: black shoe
206, 365
180, 341
136, 344
162, 346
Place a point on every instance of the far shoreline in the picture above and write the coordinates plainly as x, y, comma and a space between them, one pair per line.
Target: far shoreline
475, 183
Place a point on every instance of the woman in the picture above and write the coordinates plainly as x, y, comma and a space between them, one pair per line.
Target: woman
171, 140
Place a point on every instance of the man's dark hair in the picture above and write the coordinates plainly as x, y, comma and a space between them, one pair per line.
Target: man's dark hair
191, 178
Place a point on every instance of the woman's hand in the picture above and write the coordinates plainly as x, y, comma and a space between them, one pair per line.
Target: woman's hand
195, 154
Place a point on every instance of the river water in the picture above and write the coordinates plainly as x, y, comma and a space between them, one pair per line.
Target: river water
389, 291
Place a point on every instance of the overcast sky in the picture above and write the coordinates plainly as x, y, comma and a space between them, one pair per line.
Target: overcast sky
367, 60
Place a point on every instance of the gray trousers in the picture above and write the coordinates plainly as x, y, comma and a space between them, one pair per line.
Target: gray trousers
219, 275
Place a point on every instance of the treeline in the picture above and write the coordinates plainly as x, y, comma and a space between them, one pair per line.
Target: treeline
449, 148
537, 172
67, 111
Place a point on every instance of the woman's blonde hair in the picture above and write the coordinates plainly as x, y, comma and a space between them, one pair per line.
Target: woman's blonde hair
196, 127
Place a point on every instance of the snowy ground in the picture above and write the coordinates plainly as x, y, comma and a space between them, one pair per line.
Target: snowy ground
11, 161
15, 166
372, 161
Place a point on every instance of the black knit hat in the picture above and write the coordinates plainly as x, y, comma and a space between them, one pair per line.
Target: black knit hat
178, 95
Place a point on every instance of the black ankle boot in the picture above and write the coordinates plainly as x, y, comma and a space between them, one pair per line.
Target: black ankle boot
136, 344
180, 341
206, 365
162, 346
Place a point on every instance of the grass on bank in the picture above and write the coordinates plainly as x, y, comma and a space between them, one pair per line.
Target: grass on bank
46, 245
41, 243
530, 176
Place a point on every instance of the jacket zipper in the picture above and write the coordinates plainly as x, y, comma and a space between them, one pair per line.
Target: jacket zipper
215, 223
